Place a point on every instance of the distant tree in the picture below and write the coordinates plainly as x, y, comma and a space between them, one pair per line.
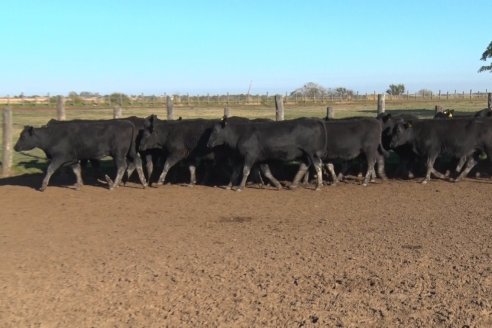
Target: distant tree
74, 97
310, 89
396, 89
87, 94
119, 98
424, 92
486, 54
343, 92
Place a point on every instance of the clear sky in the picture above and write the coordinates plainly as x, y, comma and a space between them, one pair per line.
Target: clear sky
179, 47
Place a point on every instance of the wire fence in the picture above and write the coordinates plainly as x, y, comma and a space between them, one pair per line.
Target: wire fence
152, 101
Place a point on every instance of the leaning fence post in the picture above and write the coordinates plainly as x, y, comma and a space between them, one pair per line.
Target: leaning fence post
489, 100
279, 108
330, 112
381, 104
7, 142
170, 108
60, 108
117, 111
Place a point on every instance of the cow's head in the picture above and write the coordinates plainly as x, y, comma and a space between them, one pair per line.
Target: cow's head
402, 134
27, 139
218, 135
449, 113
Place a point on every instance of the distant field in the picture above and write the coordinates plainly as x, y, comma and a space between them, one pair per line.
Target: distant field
39, 116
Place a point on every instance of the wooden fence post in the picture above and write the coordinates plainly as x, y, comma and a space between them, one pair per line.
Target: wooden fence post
279, 108
117, 111
489, 100
60, 108
7, 141
170, 108
330, 112
227, 112
381, 104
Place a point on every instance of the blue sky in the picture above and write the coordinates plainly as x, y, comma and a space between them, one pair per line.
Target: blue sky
179, 47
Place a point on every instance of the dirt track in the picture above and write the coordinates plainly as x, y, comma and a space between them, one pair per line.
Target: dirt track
397, 254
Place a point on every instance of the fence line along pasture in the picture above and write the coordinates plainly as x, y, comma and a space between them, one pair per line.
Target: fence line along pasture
97, 102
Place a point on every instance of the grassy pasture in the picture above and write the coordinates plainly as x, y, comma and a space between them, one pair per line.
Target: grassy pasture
39, 116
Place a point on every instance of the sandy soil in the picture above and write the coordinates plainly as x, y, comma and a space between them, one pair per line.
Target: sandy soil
397, 254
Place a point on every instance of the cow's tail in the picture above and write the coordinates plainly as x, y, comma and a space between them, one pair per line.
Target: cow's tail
383, 151
132, 151
322, 122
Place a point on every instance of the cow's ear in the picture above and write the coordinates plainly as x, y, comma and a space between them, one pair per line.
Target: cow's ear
224, 121
30, 130
180, 118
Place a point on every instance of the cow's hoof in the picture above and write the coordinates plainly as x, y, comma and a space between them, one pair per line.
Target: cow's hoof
239, 190
364, 184
42, 189
292, 187
317, 189
424, 182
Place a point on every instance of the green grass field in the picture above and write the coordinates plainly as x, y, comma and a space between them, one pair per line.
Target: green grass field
38, 116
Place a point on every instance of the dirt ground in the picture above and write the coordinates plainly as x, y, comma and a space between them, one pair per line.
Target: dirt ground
397, 254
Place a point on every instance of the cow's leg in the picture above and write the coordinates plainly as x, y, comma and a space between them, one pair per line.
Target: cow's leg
141, 175
52, 167
371, 161
234, 175
431, 170
300, 173
265, 169
170, 162
469, 165
257, 172
246, 170
78, 175
129, 170
149, 166
192, 169
460, 164
318, 165
305, 179
331, 169
381, 173
121, 166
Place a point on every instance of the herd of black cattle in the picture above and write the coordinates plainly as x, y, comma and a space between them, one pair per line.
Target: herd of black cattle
241, 144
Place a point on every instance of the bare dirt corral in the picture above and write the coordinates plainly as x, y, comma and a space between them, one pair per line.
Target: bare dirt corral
397, 254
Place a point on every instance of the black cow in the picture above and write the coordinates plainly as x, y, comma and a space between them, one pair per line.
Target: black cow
66, 143
260, 142
350, 138
459, 138
408, 159
139, 125
180, 140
